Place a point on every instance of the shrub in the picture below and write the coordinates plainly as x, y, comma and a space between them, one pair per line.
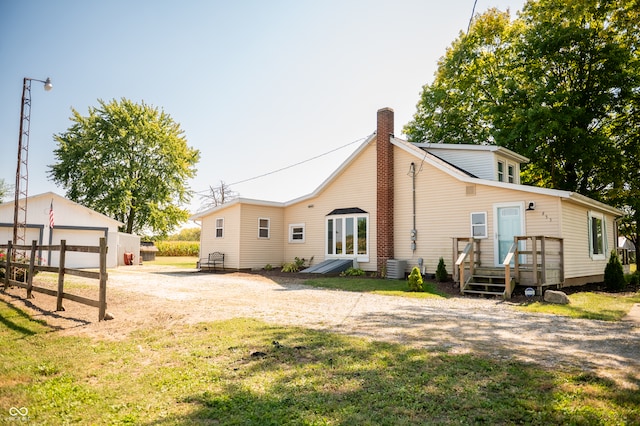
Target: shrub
441, 271
296, 265
614, 273
268, 267
415, 280
290, 267
352, 272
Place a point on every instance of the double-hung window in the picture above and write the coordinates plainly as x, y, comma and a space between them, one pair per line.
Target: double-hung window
219, 227
263, 227
479, 225
511, 178
597, 236
296, 233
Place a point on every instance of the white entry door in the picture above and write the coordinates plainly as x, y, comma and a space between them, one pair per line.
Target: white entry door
508, 223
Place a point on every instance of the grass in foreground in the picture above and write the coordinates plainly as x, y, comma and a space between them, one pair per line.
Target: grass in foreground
590, 305
247, 372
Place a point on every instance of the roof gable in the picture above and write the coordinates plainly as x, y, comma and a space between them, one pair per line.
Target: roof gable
58, 199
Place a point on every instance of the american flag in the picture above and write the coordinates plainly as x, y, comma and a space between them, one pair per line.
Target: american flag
51, 217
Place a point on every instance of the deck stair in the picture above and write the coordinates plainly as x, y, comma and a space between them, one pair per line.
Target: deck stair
486, 281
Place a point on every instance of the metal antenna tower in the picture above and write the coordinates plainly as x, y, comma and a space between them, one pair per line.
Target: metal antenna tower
22, 171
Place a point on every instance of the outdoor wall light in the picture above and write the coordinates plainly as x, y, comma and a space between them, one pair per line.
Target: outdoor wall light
531, 206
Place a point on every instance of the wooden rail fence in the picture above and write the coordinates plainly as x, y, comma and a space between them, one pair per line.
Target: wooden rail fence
15, 269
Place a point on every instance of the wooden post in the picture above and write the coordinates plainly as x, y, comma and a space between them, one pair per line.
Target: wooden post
63, 249
103, 279
461, 278
561, 243
516, 257
543, 262
7, 267
455, 253
472, 257
30, 273
507, 281
534, 261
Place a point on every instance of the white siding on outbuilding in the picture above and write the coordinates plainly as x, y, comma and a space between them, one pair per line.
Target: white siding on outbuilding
76, 224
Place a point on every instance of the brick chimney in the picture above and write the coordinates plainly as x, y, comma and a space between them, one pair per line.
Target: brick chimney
384, 155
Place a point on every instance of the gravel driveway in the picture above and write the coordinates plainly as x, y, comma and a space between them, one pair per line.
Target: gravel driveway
140, 296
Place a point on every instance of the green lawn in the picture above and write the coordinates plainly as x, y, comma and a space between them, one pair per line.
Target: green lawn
177, 261
378, 286
589, 305
250, 373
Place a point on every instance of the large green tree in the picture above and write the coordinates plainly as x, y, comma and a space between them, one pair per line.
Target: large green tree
128, 161
547, 85
469, 84
626, 21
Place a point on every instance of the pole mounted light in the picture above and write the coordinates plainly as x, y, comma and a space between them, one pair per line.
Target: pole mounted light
22, 175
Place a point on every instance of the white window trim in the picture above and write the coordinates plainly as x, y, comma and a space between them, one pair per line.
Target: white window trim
511, 178
486, 225
216, 227
499, 173
268, 228
292, 226
359, 257
603, 255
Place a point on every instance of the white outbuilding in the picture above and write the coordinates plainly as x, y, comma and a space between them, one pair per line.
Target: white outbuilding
52, 218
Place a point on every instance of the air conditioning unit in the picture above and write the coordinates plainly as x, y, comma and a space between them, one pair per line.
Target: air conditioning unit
396, 269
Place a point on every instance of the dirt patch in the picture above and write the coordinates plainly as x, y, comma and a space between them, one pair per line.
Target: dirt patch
140, 297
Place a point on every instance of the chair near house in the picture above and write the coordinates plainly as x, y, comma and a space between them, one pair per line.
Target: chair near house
212, 261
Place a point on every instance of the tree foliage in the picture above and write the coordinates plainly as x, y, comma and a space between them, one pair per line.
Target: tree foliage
559, 84
128, 161
4, 189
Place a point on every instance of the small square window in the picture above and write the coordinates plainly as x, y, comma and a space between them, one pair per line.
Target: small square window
263, 228
296, 233
479, 225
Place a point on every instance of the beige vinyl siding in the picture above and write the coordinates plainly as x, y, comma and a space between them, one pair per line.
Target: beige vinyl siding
443, 208
255, 252
229, 243
578, 262
438, 220
354, 187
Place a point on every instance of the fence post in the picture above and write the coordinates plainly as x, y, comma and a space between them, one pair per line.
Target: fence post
103, 279
63, 249
30, 272
7, 267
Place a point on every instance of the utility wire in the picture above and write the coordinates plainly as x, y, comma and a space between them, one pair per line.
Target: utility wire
473, 11
292, 165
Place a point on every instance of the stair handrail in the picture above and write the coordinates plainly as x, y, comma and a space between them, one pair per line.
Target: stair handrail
507, 270
467, 252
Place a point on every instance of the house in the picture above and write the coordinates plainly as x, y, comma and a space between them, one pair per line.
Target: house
76, 224
394, 205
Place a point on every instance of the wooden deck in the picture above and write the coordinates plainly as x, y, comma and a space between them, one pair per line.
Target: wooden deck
532, 261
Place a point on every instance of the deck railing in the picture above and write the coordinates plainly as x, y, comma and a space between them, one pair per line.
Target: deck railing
538, 261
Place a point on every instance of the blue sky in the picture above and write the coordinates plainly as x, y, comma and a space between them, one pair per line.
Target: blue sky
256, 86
